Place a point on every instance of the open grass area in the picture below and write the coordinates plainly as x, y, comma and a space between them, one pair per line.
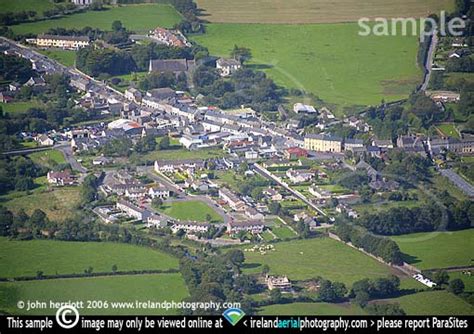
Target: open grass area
433, 303
182, 153
304, 259
25, 258
190, 211
57, 203
448, 130
468, 280
330, 60
65, 57
49, 158
156, 288
311, 309
20, 5
438, 249
20, 106
320, 11
139, 18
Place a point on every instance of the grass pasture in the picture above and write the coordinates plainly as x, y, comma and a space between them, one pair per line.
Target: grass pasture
438, 249
65, 57
20, 5
157, 287
304, 259
190, 211
330, 60
48, 158
438, 302
320, 11
311, 309
150, 16
182, 153
25, 258
20, 106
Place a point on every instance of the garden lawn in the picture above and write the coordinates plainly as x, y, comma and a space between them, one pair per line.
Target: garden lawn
329, 60
65, 57
156, 288
25, 258
448, 130
309, 258
190, 211
139, 18
311, 309
437, 249
433, 303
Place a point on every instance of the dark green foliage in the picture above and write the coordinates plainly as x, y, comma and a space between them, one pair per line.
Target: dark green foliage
385, 309
99, 61
332, 292
15, 69
456, 286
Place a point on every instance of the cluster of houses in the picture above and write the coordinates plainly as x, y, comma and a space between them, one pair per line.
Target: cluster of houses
167, 37
60, 41
37, 84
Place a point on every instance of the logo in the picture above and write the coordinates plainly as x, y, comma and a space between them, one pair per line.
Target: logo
233, 315
65, 311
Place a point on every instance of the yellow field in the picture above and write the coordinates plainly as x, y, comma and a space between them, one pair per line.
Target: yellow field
315, 11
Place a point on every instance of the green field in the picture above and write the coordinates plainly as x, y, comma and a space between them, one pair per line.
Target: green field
438, 249
156, 288
449, 130
311, 309
190, 211
139, 18
25, 258
182, 153
20, 5
48, 158
320, 11
16, 107
304, 259
468, 280
65, 57
329, 60
58, 204
433, 303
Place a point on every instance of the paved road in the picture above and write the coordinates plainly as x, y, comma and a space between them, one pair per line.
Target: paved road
65, 148
27, 151
265, 173
458, 181
429, 61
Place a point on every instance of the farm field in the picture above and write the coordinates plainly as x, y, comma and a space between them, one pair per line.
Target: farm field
151, 16
20, 106
190, 210
182, 153
156, 287
438, 249
20, 5
48, 158
321, 11
58, 204
311, 309
65, 57
304, 259
25, 258
438, 302
330, 60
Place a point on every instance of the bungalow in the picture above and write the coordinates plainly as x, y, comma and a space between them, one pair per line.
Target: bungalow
252, 226
252, 213
64, 178
44, 140
273, 194
297, 176
232, 199
132, 210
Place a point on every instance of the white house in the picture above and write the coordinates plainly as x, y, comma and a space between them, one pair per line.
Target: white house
227, 67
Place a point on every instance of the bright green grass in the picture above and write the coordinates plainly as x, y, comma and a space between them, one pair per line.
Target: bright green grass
283, 232
177, 154
468, 280
20, 5
158, 287
311, 309
48, 158
139, 18
448, 129
304, 259
65, 57
329, 60
433, 303
190, 210
25, 258
58, 204
438, 249
23, 106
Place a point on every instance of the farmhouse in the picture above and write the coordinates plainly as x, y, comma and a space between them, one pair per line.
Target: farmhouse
63, 178
63, 42
323, 143
280, 283
133, 210
227, 67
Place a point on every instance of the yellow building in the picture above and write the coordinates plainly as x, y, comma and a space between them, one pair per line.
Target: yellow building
63, 42
322, 143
